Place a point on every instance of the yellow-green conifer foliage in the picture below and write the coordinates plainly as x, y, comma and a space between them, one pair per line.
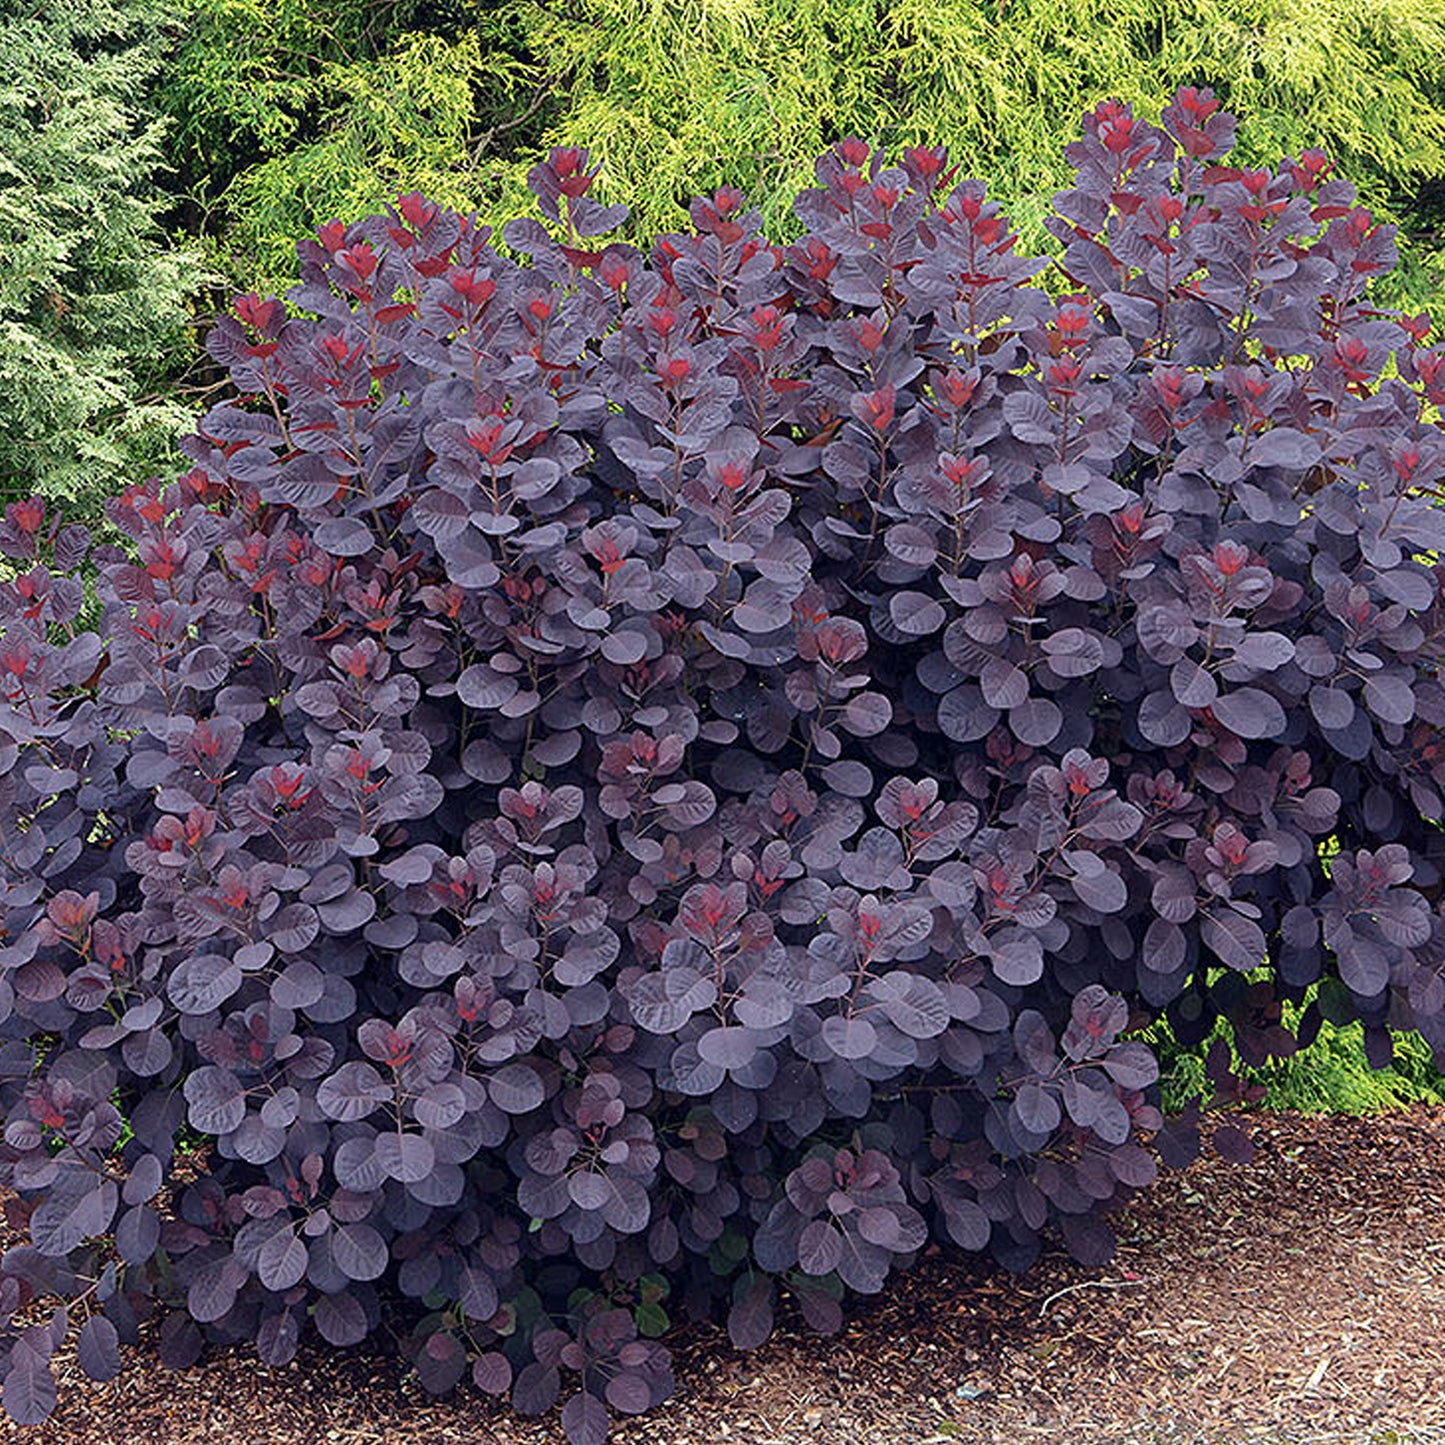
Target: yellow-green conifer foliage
678, 95
289, 112
297, 110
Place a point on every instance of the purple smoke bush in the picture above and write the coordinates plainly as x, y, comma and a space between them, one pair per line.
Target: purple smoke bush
639, 783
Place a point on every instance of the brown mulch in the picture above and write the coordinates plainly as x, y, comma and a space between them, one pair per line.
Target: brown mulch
1298, 1299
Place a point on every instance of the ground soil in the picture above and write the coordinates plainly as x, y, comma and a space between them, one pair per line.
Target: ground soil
1298, 1299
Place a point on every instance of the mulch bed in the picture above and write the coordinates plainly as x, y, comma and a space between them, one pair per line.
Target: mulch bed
1298, 1299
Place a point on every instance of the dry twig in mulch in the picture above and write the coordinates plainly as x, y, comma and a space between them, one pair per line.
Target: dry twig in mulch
1300, 1299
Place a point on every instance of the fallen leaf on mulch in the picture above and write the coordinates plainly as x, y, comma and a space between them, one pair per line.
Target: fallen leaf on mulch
1298, 1299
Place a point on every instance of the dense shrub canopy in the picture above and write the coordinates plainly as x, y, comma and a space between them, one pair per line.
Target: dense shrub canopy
637, 778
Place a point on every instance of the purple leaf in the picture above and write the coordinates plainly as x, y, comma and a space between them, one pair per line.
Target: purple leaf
728, 1048
353, 1092
516, 1089
1096, 885
750, 1320
915, 614
849, 1038
1232, 1144
913, 1004
1005, 685
1017, 958
277, 1339
1036, 722
1249, 713
1390, 697
867, 714
98, 1348
1132, 1065
1283, 446
78, 1206
486, 690
1191, 685
281, 1261
629, 1393
137, 1234
407, 1158
344, 537
820, 1248
359, 1251
1037, 1109
492, 1372
536, 1389
1236, 941
30, 1393
341, 1319
585, 1421
203, 983
144, 1181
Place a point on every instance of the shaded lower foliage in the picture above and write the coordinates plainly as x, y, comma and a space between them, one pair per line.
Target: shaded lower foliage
621, 783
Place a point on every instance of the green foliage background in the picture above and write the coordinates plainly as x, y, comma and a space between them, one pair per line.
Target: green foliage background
288, 113
95, 315
1332, 1075
285, 113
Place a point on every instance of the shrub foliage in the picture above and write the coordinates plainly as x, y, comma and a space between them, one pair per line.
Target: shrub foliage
633, 782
